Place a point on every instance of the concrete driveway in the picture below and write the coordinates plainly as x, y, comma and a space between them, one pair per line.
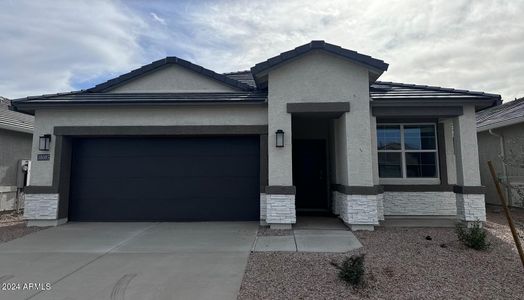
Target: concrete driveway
129, 261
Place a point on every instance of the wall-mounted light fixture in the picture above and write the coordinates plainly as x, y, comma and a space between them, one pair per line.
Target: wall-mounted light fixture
44, 142
280, 138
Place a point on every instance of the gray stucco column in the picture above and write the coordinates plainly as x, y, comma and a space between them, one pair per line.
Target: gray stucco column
279, 204
470, 199
357, 170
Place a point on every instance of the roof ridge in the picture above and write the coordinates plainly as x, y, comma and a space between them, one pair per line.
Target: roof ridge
162, 63
237, 72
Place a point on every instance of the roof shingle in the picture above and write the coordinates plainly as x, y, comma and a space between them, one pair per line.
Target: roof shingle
506, 114
15, 121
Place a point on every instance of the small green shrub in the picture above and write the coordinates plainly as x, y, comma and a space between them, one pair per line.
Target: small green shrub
473, 237
351, 270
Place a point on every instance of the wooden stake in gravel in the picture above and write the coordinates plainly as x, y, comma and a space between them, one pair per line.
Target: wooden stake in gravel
506, 211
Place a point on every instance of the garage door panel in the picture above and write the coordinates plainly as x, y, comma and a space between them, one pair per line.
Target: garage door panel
164, 187
172, 179
127, 147
177, 166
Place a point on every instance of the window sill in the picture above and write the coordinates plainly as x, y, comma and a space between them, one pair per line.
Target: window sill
409, 181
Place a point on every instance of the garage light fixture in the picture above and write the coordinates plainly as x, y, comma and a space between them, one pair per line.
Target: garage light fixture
44, 142
280, 138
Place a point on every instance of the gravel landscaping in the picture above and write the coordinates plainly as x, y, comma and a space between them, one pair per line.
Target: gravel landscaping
12, 226
401, 263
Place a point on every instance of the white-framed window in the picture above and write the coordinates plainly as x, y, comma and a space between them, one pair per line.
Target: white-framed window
408, 152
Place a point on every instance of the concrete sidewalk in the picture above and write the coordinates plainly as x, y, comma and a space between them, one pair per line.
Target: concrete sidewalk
130, 261
311, 234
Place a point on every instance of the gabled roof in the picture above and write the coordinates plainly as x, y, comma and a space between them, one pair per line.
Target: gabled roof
376, 65
163, 63
381, 93
15, 121
509, 113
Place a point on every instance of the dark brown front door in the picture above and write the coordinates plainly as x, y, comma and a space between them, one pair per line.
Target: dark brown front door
309, 176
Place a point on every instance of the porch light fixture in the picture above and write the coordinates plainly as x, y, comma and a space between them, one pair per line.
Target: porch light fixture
44, 142
280, 138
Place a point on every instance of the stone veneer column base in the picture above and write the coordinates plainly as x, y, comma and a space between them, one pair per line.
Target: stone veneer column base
263, 209
41, 207
280, 211
359, 212
470, 208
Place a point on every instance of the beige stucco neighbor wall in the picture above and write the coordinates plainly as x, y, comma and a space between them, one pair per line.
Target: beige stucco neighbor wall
321, 77
489, 149
173, 78
46, 120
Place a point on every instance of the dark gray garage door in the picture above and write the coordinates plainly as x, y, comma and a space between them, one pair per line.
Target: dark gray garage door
165, 179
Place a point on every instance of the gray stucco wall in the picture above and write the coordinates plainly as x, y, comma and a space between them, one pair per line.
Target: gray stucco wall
341, 167
320, 77
489, 149
450, 151
173, 78
466, 154
46, 120
14, 147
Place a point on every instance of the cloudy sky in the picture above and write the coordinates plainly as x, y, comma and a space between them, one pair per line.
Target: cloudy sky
56, 46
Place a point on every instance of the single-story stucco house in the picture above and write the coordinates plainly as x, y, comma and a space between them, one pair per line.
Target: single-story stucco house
16, 137
309, 131
501, 140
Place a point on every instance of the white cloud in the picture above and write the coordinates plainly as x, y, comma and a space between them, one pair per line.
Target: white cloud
48, 45
158, 19
463, 44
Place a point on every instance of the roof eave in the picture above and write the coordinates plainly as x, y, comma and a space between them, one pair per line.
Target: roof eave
480, 103
16, 128
503, 123
31, 107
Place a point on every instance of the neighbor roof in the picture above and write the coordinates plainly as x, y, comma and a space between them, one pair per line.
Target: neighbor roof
509, 113
170, 60
15, 121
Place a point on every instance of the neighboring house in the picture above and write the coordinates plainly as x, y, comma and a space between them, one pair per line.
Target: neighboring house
501, 140
308, 131
16, 135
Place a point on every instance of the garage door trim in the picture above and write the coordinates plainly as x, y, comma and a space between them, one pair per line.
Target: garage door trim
62, 152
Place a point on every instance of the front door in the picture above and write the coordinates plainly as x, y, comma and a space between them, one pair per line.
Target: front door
309, 176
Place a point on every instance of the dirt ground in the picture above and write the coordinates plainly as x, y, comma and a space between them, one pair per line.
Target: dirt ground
12, 226
400, 264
